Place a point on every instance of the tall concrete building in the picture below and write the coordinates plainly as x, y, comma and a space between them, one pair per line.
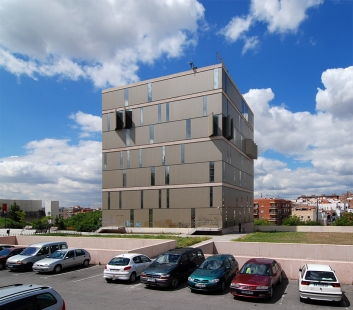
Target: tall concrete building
178, 151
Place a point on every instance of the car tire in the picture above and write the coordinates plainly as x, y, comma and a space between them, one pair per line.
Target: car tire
57, 269
175, 282
132, 277
108, 280
85, 263
2, 265
280, 279
301, 299
28, 267
271, 293
223, 286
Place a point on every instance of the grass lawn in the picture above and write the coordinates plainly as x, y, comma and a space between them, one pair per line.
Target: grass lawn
299, 237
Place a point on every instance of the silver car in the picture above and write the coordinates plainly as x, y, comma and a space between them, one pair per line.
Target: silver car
62, 259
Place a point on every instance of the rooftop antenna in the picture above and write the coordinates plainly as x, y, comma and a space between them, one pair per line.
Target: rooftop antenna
192, 66
220, 58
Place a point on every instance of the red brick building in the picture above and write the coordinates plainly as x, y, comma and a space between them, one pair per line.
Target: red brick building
273, 209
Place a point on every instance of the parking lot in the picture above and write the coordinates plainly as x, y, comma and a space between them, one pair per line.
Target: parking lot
87, 290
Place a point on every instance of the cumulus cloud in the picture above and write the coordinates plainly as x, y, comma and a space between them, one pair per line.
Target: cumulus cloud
103, 41
322, 140
88, 123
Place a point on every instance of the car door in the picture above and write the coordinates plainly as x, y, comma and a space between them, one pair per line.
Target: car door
80, 257
275, 273
145, 261
139, 266
42, 253
184, 267
69, 259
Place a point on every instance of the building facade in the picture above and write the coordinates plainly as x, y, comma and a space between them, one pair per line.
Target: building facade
273, 209
178, 151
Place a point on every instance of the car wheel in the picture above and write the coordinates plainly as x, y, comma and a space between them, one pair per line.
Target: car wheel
271, 293
109, 280
86, 263
175, 282
133, 277
28, 267
280, 279
223, 286
301, 299
2, 265
57, 269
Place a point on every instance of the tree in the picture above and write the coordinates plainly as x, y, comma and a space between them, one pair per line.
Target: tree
89, 221
292, 221
12, 212
21, 215
345, 220
262, 222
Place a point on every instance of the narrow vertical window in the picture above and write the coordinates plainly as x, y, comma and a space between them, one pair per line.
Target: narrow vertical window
108, 121
153, 179
127, 137
140, 159
216, 124
168, 198
225, 78
235, 173
105, 161
132, 217
183, 153
167, 112
141, 199
149, 88
224, 171
121, 160
159, 198
141, 116
159, 113
150, 217
120, 200
128, 159
211, 196
151, 134
211, 171
166, 175
204, 105
188, 129
215, 78
163, 155
192, 219
126, 97
108, 200
124, 178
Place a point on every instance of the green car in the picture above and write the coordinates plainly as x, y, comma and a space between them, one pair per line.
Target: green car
214, 273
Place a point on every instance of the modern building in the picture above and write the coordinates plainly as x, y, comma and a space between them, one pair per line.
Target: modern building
31, 207
178, 151
273, 209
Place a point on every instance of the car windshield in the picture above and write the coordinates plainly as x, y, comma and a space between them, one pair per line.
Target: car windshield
29, 251
5, 252
320, 276
58, 254
256, 269
167, 259
119, 261
211, 264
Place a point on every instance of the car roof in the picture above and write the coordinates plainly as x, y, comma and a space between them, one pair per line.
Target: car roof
129, 255
219, 256
60, 250
318, 267
261, 261
39, 244
180, 251
10, 245
19, 289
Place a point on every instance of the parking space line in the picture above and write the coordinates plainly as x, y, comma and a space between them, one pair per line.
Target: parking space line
98, 275
62, 274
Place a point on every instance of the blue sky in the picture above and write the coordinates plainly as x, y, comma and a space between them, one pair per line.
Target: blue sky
291, 59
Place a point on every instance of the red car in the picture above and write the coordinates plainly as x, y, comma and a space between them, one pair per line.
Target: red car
6, 253
257, 278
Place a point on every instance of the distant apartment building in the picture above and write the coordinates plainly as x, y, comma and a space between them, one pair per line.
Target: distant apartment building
273, 209
178, 151
69, 212
305, 213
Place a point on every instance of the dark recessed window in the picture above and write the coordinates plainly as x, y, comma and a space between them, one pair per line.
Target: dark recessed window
150, 217
211, 171
166, 175
167, 198
211, 196
141, 199
167, 112
120, 200
108, 200
153, 180
159, 198
183, 153
159, 113
124, 178
140, 158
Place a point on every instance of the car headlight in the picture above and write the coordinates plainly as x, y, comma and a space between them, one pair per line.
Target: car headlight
165, 276
262, 287
190, 279
235, 285
19, 262
214, 281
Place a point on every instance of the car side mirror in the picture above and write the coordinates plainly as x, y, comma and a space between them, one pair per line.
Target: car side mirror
300, 270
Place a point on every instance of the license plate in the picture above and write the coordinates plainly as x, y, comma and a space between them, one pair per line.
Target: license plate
114, 269
151, 280
247, 292
320, 285
200, 285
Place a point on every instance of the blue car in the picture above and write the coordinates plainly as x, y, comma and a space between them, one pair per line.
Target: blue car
214, 273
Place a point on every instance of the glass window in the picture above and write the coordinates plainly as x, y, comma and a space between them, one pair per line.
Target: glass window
188, 129
183, 153
211, 171
54, 248
120, 200
20, 304
140, 158
150, 222
151, 134
163, 155
126, 97
215, 78
128, 158
204, 105
167, 112
105, 161
127, 137
215, 124
79, 252
144, 258
149, 87
121, 160
211, 196
152, 176
141, 116
224, 171
141, 199
159, 113
192, 219
132, 217
108, 200
167, 175
167, 198
245, 110
108, 121
124, 178
160, 199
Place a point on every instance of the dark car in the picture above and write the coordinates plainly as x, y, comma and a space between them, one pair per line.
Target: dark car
214, 273
257, 278
169, 268
6, 253
5, 246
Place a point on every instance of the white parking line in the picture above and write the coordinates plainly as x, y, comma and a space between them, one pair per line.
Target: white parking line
98, 275
62, 274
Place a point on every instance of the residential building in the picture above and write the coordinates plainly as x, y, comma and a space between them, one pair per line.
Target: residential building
305, 213
273, 209
178, 151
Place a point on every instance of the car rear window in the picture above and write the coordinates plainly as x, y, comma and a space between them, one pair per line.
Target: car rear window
20, 304
320, 276
45, 300
119, 261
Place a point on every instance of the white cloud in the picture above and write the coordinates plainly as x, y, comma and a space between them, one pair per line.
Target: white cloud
236, 27
250, 44
101, 40
89, 123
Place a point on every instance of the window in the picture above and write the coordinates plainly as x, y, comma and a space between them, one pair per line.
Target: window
211, 196
225, 78
188, 129
127, 137
152, 176
167, 112
216, 124
126, 97
141, 199
121, 160
150, 219
160, 199
245, 110
124, 178
145, 259
204, 106
44, 301
141, 116
224, 171
167, 175
167, 198
70, 254
132, 217
149, 89
212, 171
151, 134
108, 121
137, 260
105, 161
120, 200
192, 219
159, 113
54, 248
163, 155
108, 200
140, 158
79, 252
215, 78
128, 158
183, 153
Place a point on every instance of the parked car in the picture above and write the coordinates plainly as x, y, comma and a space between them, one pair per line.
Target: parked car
5, 246
319, 282
32, 254
8, 252
169, 268
257, 278
30, 296
126, 267
214, 273
63, 259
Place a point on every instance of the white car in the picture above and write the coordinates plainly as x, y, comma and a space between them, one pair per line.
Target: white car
319, 282
126, 267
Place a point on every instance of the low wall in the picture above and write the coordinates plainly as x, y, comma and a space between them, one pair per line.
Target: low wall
341, 229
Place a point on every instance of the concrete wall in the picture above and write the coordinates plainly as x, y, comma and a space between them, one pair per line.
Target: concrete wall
343, 229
